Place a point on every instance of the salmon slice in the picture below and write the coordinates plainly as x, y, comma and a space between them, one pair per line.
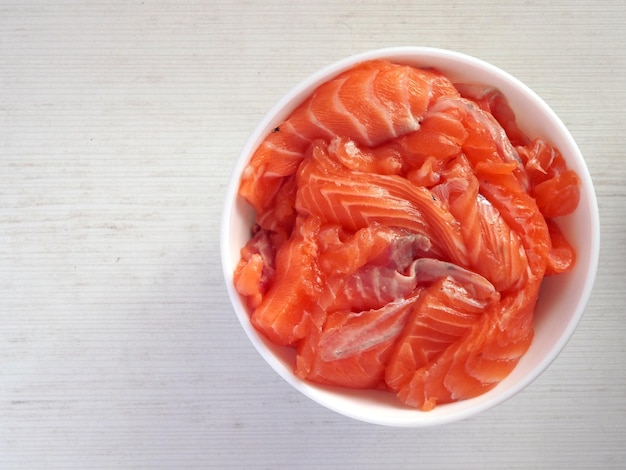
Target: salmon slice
520, 212
486, 145
503, 257
446, 310
477, 361
492, 101
555, 187
352, 348
370, 104
440, 137
490, 352
559, 195
374, 285
355, 200
495, 251
386, 100
370, 269
343, 252
256, 269
562, 256
284, 314
276, 158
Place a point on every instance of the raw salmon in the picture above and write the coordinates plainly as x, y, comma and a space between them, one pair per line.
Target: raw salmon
352, 349
370, 104
355, 200
283, 314
370, 268
478, 361
447, 312
492, 101
403, 229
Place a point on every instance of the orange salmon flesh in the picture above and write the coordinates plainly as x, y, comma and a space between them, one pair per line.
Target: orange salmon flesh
404, 224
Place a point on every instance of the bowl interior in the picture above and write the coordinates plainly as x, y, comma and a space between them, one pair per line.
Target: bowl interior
563, 298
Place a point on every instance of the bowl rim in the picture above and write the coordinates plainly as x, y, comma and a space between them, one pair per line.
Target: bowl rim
409, 54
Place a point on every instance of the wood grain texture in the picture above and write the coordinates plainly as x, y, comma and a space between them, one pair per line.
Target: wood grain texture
119, 125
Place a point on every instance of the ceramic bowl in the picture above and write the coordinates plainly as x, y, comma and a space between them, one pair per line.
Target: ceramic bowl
562, 300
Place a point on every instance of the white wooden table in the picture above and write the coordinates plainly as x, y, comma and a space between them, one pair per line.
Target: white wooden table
119, 124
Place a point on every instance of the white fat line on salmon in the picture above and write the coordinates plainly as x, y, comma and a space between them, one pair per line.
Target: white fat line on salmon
412, 120
290, 158
336, 344
364, 136
276, 148
430, 269
380, 105
316, 122
288, 128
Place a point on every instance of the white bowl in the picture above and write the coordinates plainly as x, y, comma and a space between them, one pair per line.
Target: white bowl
563, 298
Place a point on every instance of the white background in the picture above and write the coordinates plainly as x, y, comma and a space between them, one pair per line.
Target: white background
120, 122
